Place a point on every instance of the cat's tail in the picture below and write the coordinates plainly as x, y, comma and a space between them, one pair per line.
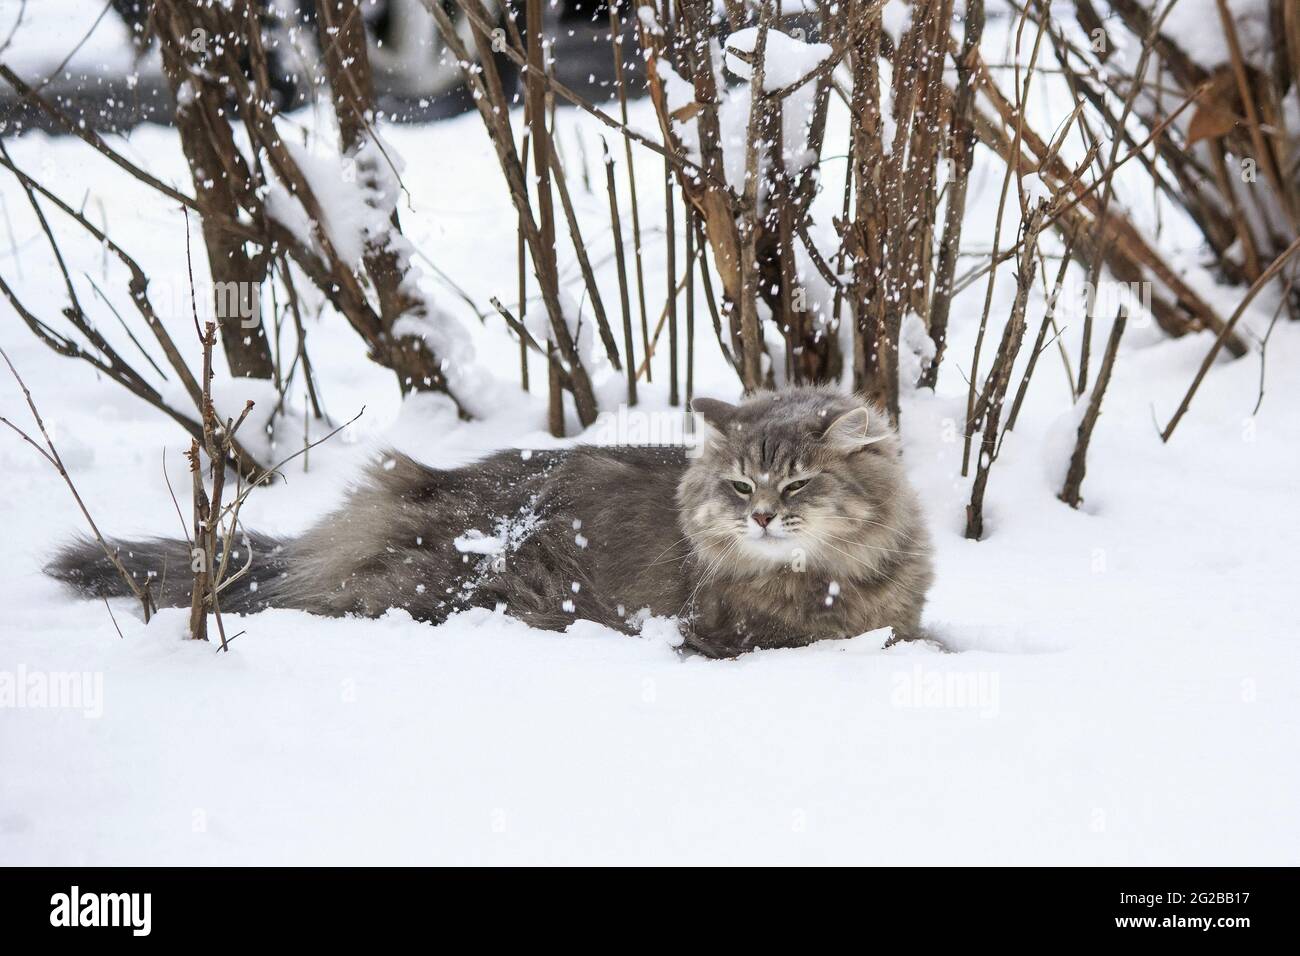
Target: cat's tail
168, 566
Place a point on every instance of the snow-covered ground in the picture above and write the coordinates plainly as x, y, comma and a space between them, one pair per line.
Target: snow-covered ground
1124, 690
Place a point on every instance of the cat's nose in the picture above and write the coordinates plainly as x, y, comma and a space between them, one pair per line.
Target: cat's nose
762, 518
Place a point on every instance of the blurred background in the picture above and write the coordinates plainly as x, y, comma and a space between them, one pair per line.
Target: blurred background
95, 58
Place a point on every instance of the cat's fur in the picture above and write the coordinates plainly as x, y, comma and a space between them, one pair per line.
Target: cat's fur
607, 533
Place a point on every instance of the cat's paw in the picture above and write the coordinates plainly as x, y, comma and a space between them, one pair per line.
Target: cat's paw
918, 637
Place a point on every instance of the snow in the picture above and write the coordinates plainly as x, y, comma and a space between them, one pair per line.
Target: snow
788, 59
680, 93
476, 542
1121, 686
649, 22
1197, 27
896, 18
44, 32
333, 180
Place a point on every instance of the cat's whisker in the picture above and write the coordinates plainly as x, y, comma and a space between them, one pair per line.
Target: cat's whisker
873, 570
878, 524
875, 547
702, 534
716, 566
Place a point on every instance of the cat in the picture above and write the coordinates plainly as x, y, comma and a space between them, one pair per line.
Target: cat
792, 522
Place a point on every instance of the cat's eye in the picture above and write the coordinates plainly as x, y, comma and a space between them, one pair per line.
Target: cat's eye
796, 485
743, 487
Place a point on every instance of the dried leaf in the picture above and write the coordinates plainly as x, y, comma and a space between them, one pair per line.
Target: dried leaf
1217, 110
720, 227
1210, 122
684, 114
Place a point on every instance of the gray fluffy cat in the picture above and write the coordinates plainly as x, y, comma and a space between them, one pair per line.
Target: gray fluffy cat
795, 523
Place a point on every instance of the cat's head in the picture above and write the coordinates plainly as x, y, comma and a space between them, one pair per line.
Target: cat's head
804, 478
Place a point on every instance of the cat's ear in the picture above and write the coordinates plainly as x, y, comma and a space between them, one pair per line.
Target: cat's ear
855, 430
714, 412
